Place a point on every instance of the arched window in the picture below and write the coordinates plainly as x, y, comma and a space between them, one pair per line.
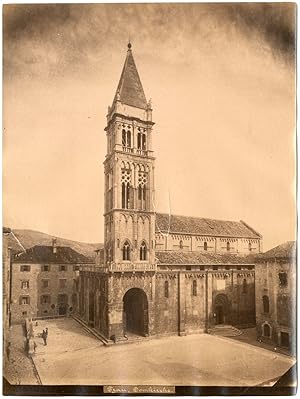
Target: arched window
205, 246
126, 187
143, 251
194, 287
266, 330
128, 138
126, 251
228, 246
266, 304
166, 289
244, 286
249, 246
124, 140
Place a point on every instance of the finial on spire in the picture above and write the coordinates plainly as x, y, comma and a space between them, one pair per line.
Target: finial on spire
129, 45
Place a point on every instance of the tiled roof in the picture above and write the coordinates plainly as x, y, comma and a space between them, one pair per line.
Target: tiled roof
286, 250
202, 226
130, 87
198, 258
45, 254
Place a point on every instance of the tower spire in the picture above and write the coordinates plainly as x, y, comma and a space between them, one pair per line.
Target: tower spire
130, 90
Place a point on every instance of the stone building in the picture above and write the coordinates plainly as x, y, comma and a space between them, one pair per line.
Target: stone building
276, 296
45, 282
159, 274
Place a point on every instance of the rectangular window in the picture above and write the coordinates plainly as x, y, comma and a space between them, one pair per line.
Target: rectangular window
62, 283
24, 300
283, 279
24, 285
62, 268
45, 299
24, 313
25, 268
202, 268
45, 283
215, 267
75, 268
45, 268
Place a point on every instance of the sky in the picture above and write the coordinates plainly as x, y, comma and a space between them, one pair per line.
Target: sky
222, 82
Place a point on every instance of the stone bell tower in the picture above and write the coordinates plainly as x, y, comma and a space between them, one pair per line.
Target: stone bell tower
129, 230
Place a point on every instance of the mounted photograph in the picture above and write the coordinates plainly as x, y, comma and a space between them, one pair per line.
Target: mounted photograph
149, 199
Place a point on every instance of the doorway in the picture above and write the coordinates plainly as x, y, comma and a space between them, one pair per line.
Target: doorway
221, 309
285, 340
135, 312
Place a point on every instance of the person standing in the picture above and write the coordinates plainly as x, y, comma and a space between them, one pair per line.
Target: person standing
44, 336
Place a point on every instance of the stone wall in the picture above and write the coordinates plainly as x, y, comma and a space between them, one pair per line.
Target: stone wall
187, 242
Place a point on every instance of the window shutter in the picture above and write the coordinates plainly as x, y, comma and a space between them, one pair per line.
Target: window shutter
20, 300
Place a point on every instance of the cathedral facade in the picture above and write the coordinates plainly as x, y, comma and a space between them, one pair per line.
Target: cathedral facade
159, 274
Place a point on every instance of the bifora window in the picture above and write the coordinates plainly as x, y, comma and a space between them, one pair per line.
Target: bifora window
141, 141
126, 184
142, 189
266, 304
126, 138
126, 251
143, 251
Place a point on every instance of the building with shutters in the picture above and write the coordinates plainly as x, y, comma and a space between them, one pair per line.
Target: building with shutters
44, 282
276, 296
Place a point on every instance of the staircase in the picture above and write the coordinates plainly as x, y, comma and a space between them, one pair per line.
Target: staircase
92, 331
223, 330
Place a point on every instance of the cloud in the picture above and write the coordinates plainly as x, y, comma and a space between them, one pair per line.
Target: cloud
58, 38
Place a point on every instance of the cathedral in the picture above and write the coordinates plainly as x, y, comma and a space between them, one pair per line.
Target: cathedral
159, 274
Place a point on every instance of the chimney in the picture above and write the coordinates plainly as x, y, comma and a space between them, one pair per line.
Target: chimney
54, 245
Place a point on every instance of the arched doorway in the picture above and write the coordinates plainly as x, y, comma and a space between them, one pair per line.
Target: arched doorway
221, 309
135, 312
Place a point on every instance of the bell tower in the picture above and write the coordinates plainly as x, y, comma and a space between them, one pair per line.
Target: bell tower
129, 226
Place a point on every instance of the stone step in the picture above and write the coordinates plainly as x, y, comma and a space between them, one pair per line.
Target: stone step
225, 331
92, 331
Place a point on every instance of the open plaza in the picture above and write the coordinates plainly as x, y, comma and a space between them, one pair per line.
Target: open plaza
73, 356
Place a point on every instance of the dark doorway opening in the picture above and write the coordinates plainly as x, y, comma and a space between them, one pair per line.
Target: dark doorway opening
221, 309
62, 309
285, 340
135, 312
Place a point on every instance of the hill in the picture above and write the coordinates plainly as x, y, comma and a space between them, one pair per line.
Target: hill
29, 238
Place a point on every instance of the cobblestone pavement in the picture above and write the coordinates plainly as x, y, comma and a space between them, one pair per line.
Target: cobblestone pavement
73, 357
19, 370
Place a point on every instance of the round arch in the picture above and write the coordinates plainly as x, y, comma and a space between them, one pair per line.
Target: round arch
221, 309
135, 312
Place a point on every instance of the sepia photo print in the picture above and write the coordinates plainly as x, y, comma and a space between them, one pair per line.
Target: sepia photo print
149, 212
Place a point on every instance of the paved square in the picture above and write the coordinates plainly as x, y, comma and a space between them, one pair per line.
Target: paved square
73, 357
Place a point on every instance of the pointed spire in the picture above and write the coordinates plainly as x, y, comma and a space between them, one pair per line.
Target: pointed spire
130, 90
